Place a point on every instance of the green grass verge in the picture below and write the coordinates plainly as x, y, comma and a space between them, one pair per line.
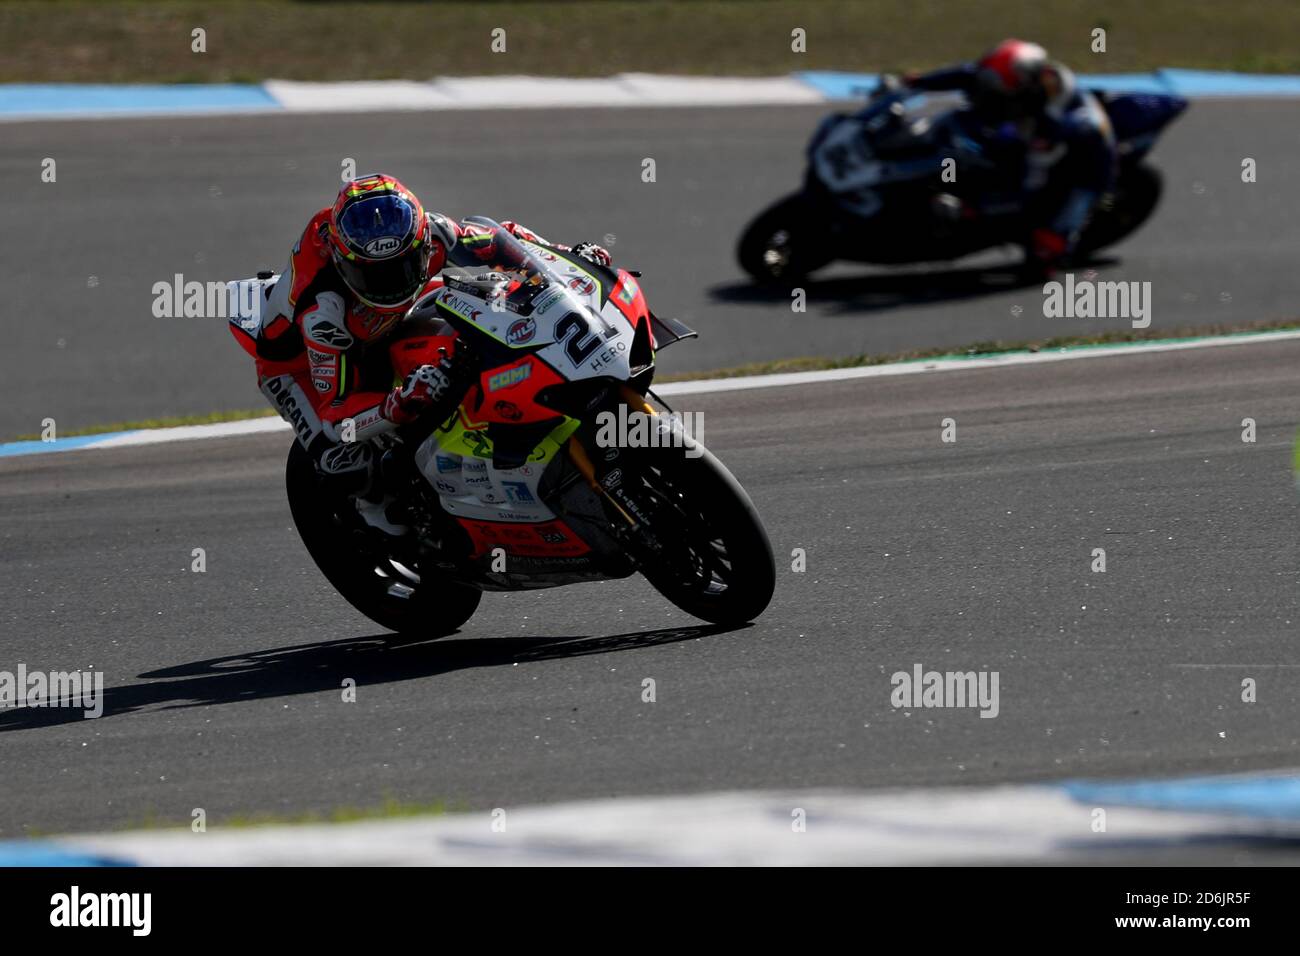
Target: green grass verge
116, 41
389, 809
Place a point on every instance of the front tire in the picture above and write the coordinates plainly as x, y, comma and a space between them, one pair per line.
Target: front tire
718, 563
415, 604
781, 247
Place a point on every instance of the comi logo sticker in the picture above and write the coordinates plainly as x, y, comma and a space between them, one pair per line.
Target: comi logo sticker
511, 376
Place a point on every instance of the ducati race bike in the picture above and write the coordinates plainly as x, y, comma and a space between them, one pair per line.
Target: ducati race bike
521, 487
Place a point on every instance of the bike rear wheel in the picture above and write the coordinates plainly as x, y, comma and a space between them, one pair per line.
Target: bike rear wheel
409, 601
1134, 200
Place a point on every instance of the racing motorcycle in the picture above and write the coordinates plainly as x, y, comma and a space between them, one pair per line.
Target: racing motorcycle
873, 176
522, 487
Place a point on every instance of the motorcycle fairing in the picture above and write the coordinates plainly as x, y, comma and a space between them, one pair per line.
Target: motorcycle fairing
1138, 119
459, 460
537, 320
543, 539
845, 164
564, 316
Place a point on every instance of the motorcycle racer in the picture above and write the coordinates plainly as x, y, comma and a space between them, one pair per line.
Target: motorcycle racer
1028, 115
326, 346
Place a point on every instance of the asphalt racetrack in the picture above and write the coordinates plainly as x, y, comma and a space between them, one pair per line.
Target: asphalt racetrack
224, 688
137, 201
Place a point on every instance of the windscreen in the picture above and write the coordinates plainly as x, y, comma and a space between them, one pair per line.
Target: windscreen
535, 275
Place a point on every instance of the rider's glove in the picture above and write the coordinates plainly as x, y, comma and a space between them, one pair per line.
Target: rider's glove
1047, 247
593, 253
425, 387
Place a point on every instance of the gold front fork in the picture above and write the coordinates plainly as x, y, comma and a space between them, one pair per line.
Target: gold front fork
578, 454
636, 401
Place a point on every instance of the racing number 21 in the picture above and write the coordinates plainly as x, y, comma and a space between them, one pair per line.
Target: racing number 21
581, 340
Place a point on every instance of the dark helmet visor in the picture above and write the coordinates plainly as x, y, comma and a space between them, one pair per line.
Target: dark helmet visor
386, 281
379, 226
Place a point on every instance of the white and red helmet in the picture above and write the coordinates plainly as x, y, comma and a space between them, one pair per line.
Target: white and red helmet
381, 242
1016, 79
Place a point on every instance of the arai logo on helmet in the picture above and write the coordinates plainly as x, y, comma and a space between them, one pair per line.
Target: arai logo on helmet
383, 246
521, 332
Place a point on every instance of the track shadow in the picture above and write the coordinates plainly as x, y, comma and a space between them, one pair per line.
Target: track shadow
311, 668
881, 291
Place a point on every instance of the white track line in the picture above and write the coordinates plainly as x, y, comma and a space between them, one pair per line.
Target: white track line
153, 436
257, 426
540, 92
961, 364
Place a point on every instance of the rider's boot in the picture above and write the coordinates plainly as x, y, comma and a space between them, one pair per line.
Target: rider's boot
351, 469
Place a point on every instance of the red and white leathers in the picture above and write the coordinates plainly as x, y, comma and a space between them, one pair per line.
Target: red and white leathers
318, 354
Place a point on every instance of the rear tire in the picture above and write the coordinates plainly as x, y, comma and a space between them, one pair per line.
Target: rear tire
720, 566
1137, 193
347, 557
780, 248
